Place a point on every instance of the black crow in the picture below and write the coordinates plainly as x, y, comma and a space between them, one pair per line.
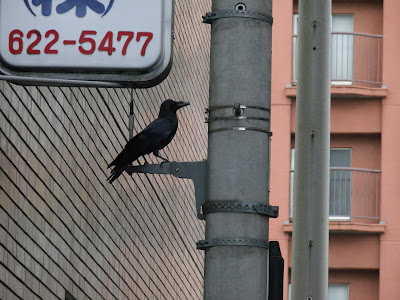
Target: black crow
153, 138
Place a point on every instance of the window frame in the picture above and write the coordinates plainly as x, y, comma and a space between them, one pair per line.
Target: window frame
335, 39
342, 218
330, 285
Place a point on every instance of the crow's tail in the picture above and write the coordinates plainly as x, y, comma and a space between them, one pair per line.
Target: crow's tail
115, 173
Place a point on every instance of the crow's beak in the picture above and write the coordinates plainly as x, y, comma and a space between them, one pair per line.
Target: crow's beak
181, 104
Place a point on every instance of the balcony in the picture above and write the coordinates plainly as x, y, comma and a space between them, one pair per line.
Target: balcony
353, 196
356, 59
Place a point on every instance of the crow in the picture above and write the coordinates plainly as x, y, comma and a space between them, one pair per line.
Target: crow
153, 138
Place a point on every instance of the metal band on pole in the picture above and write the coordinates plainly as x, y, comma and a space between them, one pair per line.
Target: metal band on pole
211, 16
241, 129
209, 120
240, 207
241, 106
249, 242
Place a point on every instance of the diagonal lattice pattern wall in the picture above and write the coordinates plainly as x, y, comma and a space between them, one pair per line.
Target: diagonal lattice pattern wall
64, 230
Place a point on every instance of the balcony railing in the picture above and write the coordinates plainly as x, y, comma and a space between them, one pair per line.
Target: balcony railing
353, 194
356, 59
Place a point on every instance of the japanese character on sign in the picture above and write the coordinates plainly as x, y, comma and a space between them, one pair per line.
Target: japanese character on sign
46, 6
79, 5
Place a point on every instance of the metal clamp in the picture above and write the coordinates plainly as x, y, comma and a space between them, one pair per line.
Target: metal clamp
249, 242
241, 207
209, 120
238, 110
241, 106
211, 16
240, 129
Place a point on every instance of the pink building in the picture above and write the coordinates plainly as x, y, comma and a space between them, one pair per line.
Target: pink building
365, 141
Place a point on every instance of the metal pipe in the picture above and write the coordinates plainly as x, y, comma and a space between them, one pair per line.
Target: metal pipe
311, 207
60, 82
131, 117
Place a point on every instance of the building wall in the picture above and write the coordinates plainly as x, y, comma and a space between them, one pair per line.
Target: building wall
365, 149
363, 283
282, 31
62, 226
365, 119
368, 120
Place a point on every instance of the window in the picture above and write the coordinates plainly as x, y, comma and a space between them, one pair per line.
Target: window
340, 184
342, 49
336, 291
342, 45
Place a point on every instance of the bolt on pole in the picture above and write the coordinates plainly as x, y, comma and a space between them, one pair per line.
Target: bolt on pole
311, 191
236, 245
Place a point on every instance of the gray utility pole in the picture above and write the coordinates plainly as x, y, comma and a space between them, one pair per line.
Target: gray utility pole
237, 210
311, 189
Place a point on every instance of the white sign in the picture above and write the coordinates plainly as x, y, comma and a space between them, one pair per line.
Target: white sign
106, 37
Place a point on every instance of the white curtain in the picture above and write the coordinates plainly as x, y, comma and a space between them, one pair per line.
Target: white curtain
336, 291
342, 49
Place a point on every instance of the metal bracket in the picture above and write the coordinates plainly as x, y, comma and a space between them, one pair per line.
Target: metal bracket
241, 207
249, 242
211, 16
195, 170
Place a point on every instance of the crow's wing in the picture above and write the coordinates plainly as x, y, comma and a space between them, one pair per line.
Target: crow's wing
154, 137
158, 134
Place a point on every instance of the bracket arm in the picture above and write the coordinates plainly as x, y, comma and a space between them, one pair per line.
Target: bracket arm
195, 170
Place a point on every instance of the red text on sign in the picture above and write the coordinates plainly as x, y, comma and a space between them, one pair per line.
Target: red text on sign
87, 42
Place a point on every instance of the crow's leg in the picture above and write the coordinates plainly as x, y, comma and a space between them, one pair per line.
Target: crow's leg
155, 153
145, 161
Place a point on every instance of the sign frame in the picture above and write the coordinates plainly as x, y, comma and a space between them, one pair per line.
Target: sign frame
129, 78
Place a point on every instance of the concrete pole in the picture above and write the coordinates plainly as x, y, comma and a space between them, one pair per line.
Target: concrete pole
311, 206
238, 150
